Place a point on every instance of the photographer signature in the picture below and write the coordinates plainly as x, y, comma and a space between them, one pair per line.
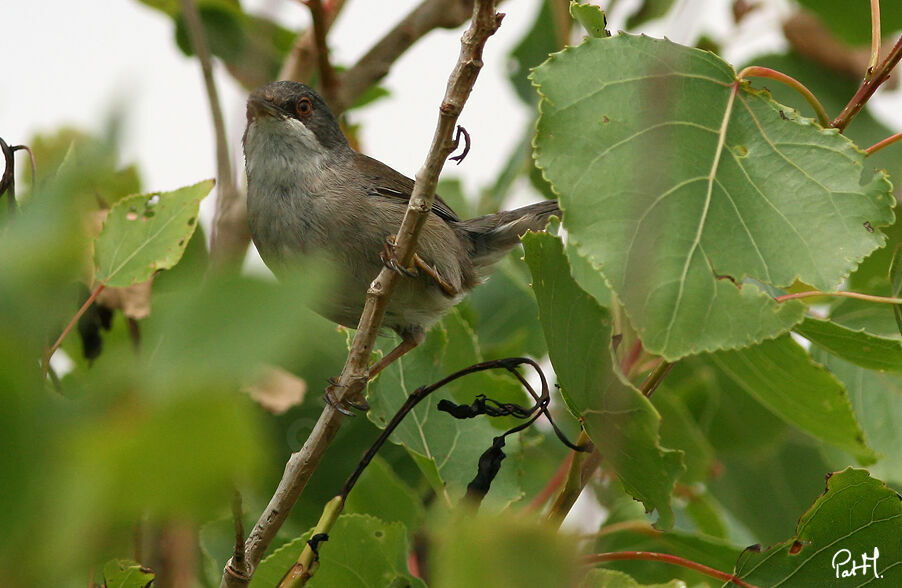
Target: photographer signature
843, 558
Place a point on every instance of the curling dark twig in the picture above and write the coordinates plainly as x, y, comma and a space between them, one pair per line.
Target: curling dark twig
8, 180
461, 131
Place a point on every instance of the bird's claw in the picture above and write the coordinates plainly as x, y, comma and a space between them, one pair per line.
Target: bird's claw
391, 262
332, 394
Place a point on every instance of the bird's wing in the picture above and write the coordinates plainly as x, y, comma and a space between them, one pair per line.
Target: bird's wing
387, 182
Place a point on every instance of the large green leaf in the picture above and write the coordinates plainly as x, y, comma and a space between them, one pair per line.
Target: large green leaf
621, 422
782, 376
146, 233
682, 183
856, 515
445, 449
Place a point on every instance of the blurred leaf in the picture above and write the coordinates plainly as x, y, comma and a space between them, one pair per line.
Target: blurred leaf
446, 450
146, 233
680, 431
221, 332
504, 312
782, 376
591, 17
252, 47
734, 192
381, 493
856, 346
532, 50
94, 171
603, 578
501, 552
766, 471
126, 574
649, 10
856, 513
361, 551
621, 422
877, 400
851, 21
716, 553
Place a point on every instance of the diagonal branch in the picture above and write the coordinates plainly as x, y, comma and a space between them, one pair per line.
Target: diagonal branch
353, 378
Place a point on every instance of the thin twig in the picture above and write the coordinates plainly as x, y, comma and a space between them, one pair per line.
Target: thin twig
581, 470
328, 81
843, 294
301, 61
354, 375
230, 234
59, 341
810, 98
875, 38
666, 558
884, 143
655, 378
869, 86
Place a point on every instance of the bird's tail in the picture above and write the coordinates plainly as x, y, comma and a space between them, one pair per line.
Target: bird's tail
493, 235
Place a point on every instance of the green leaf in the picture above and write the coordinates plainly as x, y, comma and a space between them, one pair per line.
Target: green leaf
381, 493
146, 233
782, 376
532, 50
445, 449
621, 422
856, 513
121, 573
877, 400
361, 551
856, 346
603, 578
741, 190
591, 17
479, 550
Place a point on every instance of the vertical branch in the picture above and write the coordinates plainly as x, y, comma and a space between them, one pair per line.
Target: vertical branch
230, 232
328, 81
299, 64
353, 378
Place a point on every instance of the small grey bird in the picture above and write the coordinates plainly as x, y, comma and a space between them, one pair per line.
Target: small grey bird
310, 193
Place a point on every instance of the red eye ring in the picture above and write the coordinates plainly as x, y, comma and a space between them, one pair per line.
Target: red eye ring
304, 106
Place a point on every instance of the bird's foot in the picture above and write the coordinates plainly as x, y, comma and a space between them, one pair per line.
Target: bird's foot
391, 261
430, 271
332, 397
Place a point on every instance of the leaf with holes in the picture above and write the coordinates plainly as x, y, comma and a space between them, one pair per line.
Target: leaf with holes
690, 189
146, 233
856, 517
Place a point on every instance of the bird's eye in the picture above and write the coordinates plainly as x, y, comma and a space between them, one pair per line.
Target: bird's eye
304, 106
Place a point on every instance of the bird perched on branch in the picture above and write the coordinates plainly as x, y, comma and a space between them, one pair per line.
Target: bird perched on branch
310, 193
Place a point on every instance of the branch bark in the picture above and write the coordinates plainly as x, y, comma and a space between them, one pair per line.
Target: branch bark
354, 375
230, 232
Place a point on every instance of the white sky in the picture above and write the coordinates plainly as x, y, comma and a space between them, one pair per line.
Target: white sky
74, 62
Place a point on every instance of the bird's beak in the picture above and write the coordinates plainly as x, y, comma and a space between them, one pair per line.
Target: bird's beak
260, 106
